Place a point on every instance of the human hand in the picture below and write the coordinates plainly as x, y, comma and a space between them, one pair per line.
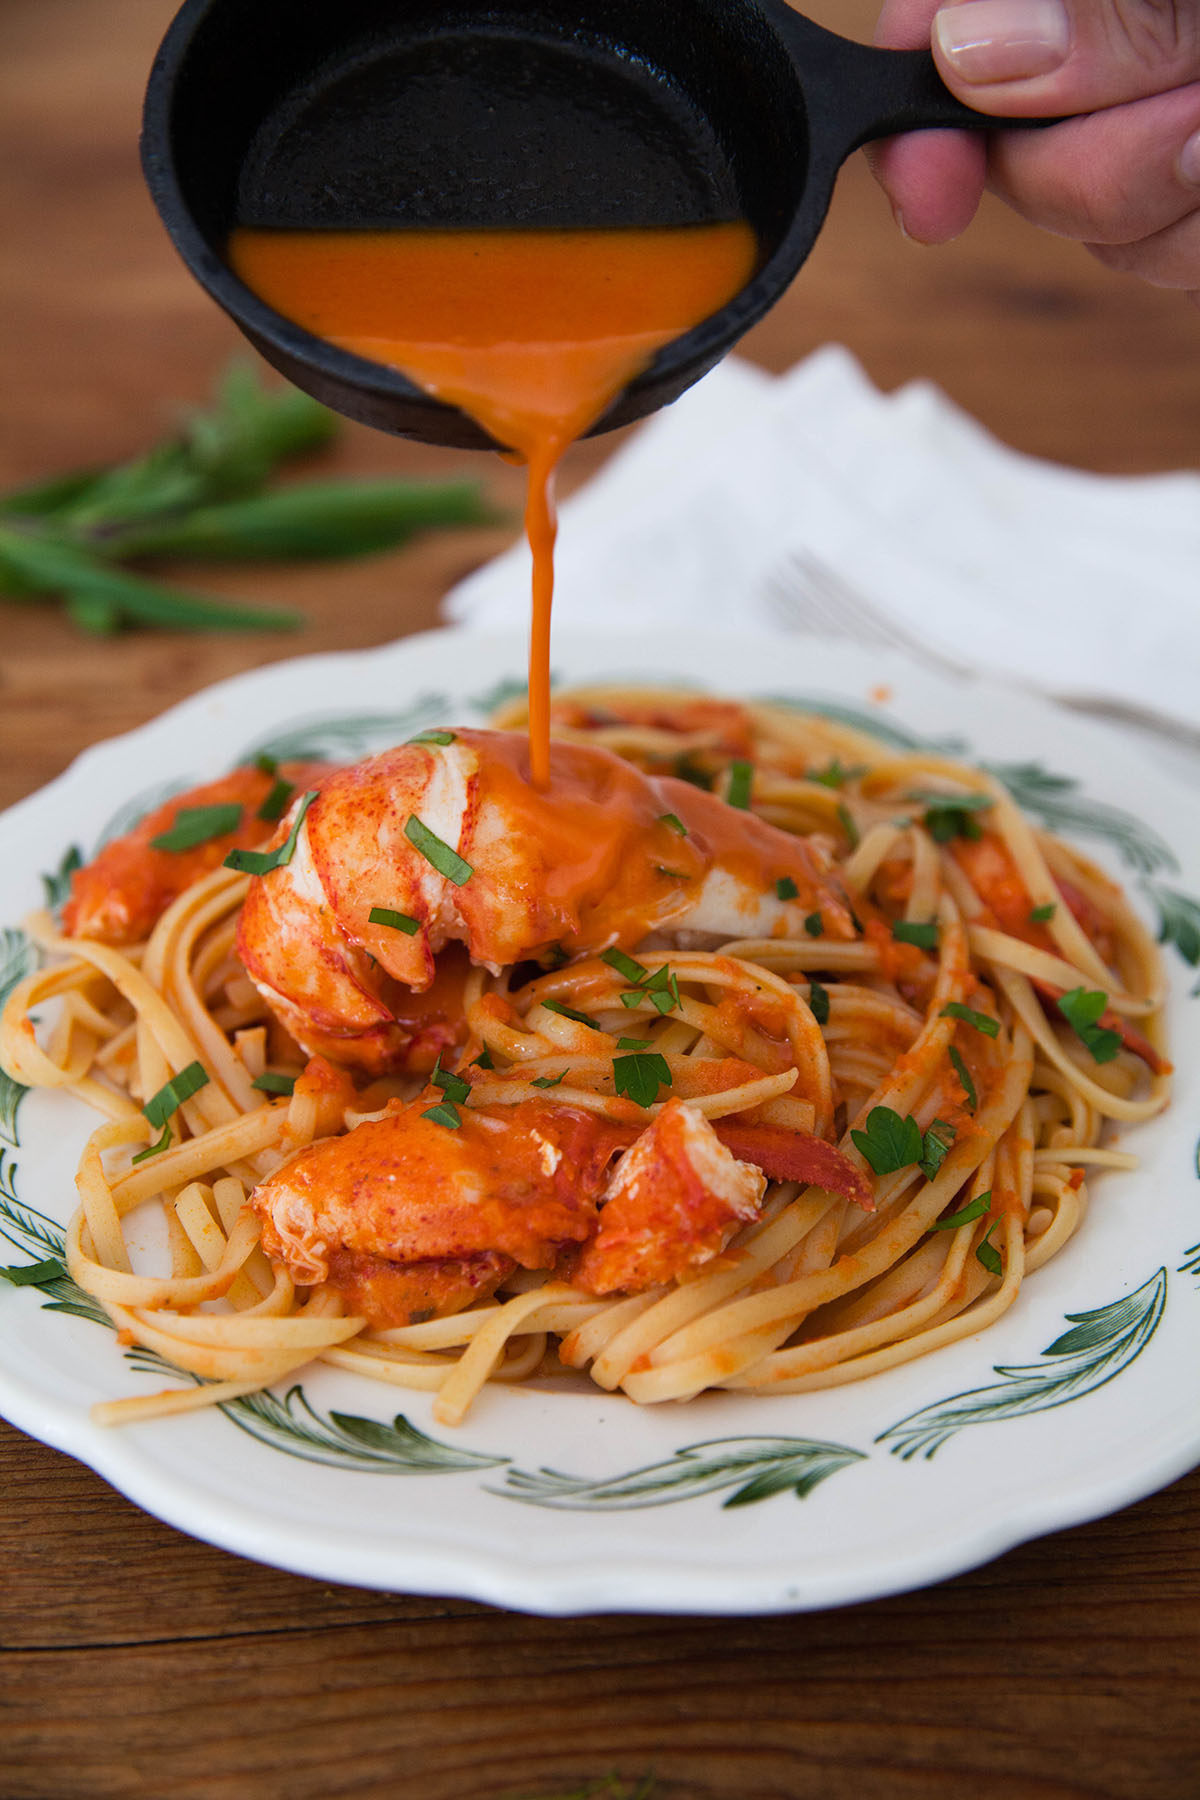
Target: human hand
1124, 179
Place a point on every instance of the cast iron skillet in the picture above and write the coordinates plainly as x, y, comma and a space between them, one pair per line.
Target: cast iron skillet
394, 113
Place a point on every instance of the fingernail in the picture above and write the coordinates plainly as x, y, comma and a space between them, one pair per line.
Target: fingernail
1003, 40
1189, 161
901, 227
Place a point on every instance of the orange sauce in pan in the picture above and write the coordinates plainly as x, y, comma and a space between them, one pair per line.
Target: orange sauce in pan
532, 333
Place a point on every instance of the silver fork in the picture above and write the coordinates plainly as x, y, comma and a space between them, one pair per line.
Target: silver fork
805, 594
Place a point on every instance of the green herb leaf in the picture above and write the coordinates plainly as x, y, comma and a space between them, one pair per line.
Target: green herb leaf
271, 1082
949, 816
786, 889
261, 862
160, 1106
674, 822
924, 934
276, 802
981, 1021
640, 1077
483, 1060
1040, 914
34, 1274
446, 1113
51, 566
989, 1256
967, 1216
834, 775
814, 924
569, 1012
195, 825
446, 861
156, 1148
548, 1081
889, 1142
311, 520
964, 1076
935, 1146
818, 1002
624, 965
846, 820
638, 1043
663, 989
396, 921
433, 737
632, 999
1082, 1009
266, 764
455, 1087
741, 782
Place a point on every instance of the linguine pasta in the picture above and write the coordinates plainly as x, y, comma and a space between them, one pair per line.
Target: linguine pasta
964, 1054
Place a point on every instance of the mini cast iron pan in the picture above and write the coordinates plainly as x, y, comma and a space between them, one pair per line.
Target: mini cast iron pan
441, 113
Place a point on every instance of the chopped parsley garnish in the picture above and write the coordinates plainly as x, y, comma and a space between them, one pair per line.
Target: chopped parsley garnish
446, 861
1082, 1011
195, 825
674, 822
483, 1060
545, 1081
889, 1142
846, 821
261, 862
924, 934
964, 1075
626, 1043
269, 1082
967, 1216
157, 1147
814, 924
1040, 914
432, 737
662, 989
555, 957
981, 1021
949, 816
453, 1086
833, 775
818, 1002
266, 764
624, 965
173, 1093
741, 781
935, 1146
444, 1114
160, 1106
33, 1274
786, 889
276, 802
639, 1077
397, 921
568, 1012
988, 1255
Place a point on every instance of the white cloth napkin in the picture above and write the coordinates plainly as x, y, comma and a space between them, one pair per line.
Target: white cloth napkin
814, 502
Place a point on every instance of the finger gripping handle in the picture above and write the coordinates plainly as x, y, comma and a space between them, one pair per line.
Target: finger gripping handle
855, 92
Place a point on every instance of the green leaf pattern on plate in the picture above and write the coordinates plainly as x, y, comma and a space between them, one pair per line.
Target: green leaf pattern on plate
1098, 1347
755, 1467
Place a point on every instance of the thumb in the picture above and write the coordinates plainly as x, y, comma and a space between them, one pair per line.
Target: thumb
1021, 58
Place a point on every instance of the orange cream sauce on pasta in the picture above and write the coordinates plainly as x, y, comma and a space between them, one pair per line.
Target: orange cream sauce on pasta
532, 333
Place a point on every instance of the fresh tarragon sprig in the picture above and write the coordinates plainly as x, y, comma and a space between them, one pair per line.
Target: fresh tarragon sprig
200, 495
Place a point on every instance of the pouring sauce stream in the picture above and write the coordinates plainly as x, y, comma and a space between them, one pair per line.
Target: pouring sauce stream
532, 333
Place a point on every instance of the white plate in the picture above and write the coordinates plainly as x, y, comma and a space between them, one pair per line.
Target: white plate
1080, 1400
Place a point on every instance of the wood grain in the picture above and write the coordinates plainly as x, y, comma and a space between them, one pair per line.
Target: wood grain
136, 1663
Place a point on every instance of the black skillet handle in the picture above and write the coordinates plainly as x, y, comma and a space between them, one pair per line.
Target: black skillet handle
854, 92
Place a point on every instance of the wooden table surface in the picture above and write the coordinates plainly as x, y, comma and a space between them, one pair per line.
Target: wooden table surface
136, 1662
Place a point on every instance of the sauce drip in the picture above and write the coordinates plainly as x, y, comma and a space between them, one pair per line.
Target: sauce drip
532, 333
